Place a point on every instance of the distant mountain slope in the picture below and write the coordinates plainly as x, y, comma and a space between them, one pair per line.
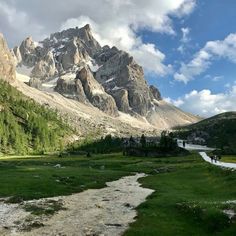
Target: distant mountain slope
88, 120
74, 64
218, 131
167, 115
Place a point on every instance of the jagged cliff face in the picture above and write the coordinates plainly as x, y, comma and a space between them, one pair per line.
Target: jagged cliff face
105, 77
7, 65
74, 64
59, 54
123, 78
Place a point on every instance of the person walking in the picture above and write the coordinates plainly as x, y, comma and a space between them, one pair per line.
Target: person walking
215, 158
211, 158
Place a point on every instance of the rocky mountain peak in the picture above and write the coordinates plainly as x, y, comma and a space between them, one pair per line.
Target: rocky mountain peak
28, 53
105, 77
87, 27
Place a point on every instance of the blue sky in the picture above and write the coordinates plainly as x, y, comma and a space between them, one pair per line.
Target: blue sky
210, 20
186, 47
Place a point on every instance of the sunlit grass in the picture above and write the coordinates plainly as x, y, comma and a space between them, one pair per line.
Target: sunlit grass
189, 199
229, 158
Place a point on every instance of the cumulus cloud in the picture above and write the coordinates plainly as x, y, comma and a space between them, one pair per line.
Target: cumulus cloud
115, 22
203, 59
151, 58
205, 103
177, 102
14, 22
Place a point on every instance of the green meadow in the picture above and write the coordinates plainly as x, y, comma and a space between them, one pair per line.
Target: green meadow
229, 158
189, 199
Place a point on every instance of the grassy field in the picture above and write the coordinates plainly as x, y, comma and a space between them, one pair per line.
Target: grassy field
229, 158
189, 199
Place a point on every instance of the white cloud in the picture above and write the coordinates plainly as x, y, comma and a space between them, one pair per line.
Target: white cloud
16, 21
177, 102
151, 58
115, 22
217, 78
185, 8
185, 33
205, 103
133, 15
214, 78
184, 40
203, 59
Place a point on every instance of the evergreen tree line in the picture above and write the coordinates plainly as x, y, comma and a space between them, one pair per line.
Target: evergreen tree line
27, 127
107, 144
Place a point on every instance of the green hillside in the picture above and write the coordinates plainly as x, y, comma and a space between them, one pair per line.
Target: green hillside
218, 131
27, 127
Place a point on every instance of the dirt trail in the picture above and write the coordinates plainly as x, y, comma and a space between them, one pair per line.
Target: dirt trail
106, 211
217, 163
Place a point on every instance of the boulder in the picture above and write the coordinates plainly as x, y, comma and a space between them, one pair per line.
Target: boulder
35, 83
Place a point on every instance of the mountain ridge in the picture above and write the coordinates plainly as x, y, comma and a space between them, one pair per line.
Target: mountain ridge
73, 50
103, 77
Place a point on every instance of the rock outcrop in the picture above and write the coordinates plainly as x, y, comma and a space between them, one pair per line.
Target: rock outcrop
122, 100
28, 52
72, 88
17, 55
155, 93
121, 72
84, 88
45, 67
96, 93
7, 63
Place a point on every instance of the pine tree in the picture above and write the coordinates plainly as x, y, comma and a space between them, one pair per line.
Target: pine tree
143, 141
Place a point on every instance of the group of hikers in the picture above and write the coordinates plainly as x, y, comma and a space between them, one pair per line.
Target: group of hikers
215, 158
